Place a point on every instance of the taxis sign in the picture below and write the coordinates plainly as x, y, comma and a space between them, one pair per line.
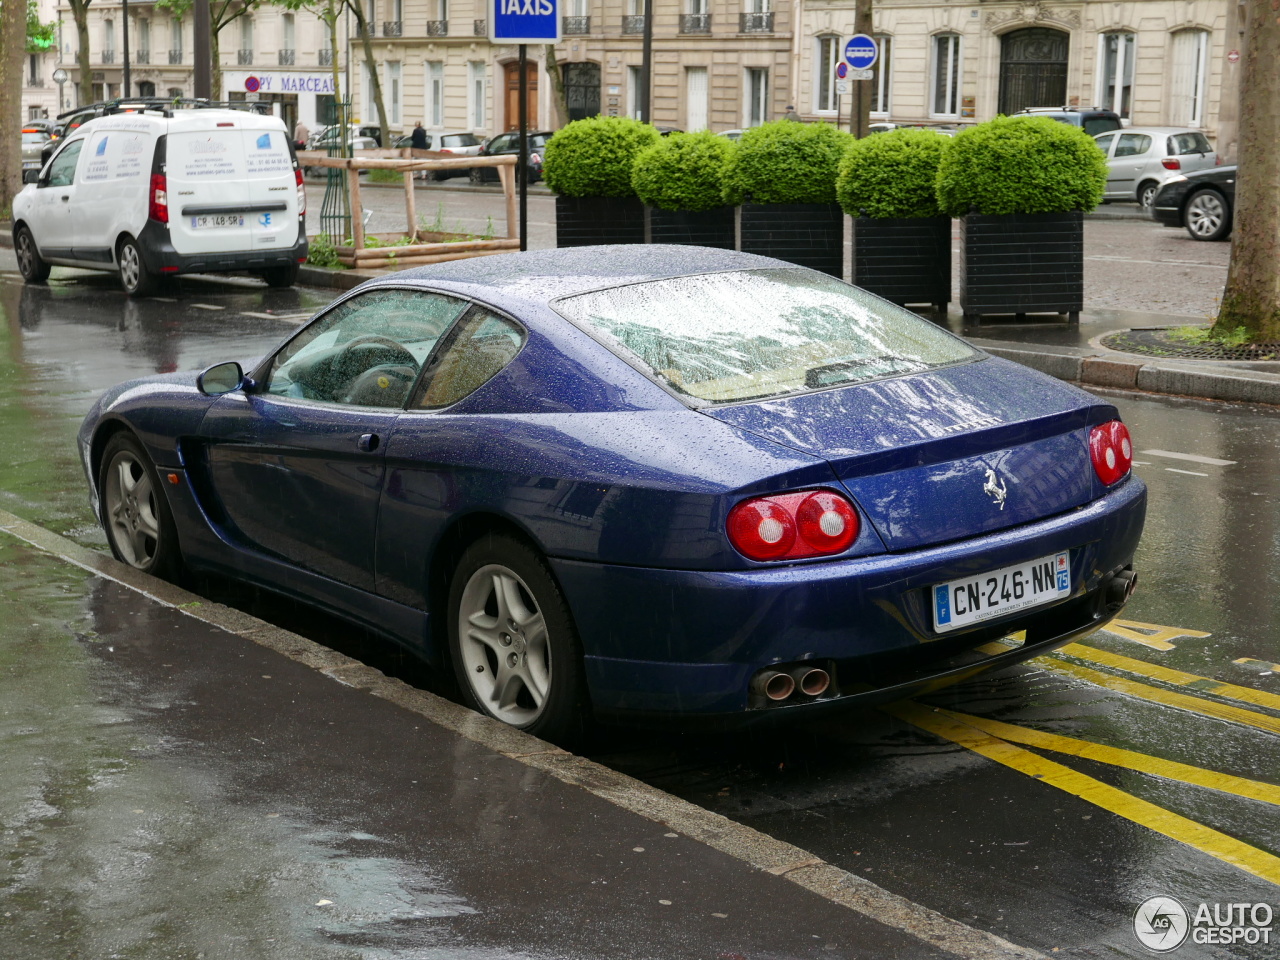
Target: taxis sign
525, 21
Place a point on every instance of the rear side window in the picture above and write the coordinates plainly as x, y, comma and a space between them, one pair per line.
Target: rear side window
481, 346
755, 334
459, 140
1132, 145
1181, 144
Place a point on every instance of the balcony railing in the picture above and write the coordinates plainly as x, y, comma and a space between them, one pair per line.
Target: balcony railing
175, 56
326, 56
575, 26
287, 58
35, 81
369, 29
142, 56
633, 23
480, 28
392, 28
695, 23
437, 28
244, 57
755, 22
107, 56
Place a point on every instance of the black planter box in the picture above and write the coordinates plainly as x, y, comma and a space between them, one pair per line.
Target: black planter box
705, 228
585, 221
1022, 263
904, 259
808, 234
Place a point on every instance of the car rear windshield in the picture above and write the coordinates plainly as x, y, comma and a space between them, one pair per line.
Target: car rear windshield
755, 334
1096, 125
459, 140
1181, 144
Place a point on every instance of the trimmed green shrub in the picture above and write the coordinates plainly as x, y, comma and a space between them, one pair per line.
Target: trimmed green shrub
891, 174
683, 171
785, 162
1021, 165
593, 157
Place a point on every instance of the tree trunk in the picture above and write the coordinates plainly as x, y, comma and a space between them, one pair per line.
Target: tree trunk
13, 48
1252, 296
215, 73
860, 121
80, 12
558, 103
331, 17
375, 85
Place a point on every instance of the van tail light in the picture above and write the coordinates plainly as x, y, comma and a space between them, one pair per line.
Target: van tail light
1111, 450
1171, 163
1217, 160
158, 207
793, 526
302, 192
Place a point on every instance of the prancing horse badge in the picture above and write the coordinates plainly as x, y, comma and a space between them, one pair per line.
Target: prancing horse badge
995, 489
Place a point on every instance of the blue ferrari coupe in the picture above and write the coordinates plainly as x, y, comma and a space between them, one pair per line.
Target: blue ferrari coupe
638, 480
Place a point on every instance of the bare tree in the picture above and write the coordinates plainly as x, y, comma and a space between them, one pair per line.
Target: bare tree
13, 48
1252, 296
558, 103
364, 29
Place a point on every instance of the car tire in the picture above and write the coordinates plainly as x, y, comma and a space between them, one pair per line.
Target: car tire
30, 263
285, 276
512, 642
1207, 217
135, 278
476, 176
135, 512
1147, 193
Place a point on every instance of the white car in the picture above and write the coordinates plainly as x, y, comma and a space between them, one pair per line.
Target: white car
1141, 159
163, 192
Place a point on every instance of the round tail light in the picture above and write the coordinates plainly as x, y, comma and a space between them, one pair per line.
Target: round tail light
1111, 450
827, 522
761, 529
793, 526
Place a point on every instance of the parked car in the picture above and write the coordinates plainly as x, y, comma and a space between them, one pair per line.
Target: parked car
1093, 120
163, 192
1140, 159
509, 143
325, 137
638, 479
1202, 201
464, 143
33, 141
732, 134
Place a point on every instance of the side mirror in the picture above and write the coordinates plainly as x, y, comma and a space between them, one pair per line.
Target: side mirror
220, 378
31, 175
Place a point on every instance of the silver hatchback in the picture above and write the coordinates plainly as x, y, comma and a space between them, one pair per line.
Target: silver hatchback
1140, 159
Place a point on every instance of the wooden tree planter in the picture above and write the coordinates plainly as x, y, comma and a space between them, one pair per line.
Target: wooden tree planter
904, 259
432, 247
808, 234
1022, 263
705, 228
586, 221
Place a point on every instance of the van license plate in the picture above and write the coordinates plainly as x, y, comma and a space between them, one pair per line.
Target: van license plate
974, 599
217, 220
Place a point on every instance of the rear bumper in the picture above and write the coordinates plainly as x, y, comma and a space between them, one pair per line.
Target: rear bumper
689, 642
160, 256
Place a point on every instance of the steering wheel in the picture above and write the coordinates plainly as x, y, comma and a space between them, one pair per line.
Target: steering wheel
362, 354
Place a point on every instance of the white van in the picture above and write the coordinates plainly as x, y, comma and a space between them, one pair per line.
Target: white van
166, 191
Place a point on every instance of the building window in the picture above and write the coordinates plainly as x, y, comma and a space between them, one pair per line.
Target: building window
108, 40
476, 88
880, 77
393, 81
824, 82
1115, 71
175, 41
367, 109
756, 108
435, 93
33, 69
1190, 54
946, 76
144, 41
635, 78
695, 83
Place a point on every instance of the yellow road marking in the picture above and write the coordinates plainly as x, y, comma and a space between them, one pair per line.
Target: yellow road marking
1266, 665
1129, 759
1162, 821
1158, 638
1228, 691
1180, 701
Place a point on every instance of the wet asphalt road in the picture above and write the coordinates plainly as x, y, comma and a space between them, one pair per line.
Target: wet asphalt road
986, 831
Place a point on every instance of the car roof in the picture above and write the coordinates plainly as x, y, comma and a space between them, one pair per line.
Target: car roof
1156, 131
537, 277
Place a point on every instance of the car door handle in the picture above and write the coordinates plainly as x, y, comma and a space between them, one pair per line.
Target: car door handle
65, 198
368, 442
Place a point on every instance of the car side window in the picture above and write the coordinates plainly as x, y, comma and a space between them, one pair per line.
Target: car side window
482, 344
500, 143
1104, 143
1132, 145
367, 351
62, 168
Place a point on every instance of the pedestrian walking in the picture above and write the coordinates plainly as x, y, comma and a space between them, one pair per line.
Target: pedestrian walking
301, 135
789, 113
419, 137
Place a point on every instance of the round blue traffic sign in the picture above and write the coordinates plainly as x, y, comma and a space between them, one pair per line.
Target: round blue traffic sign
861, 52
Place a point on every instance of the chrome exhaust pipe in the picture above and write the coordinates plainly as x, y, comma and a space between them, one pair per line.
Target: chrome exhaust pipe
811, 681
773, 685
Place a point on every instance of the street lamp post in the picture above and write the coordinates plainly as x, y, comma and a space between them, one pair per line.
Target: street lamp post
60, 77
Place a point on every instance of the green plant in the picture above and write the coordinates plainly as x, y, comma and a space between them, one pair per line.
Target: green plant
1021, 165
322, 253
785, 162
1235, 337
683, 171
386, 176
593, 157
436, 225
891, 174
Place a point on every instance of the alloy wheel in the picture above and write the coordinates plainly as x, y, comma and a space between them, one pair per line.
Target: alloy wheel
26, 255
130, 511
1205, 215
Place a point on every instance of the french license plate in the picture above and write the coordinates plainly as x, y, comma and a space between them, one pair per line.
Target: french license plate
960, 603
217, 220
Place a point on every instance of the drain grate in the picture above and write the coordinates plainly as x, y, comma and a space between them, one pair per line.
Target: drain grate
1158, 343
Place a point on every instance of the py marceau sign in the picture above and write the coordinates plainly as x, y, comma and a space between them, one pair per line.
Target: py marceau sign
524, 21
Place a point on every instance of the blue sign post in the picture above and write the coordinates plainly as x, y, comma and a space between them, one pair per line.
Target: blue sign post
525, 21
861, 52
